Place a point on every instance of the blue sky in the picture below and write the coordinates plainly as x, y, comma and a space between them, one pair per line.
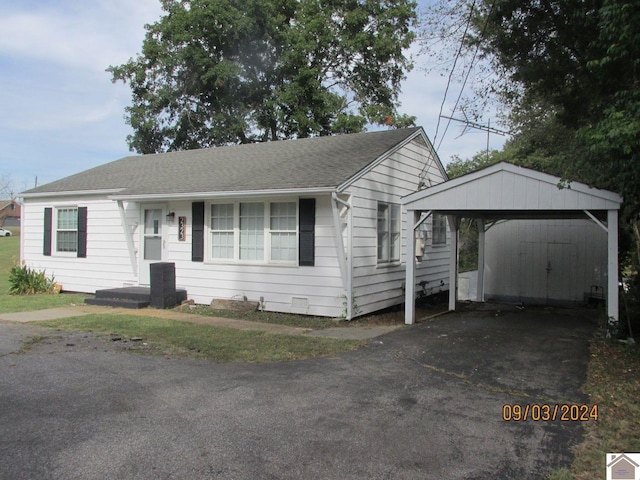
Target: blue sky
61, 114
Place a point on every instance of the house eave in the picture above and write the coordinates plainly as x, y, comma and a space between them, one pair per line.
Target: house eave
224, 194
71, 193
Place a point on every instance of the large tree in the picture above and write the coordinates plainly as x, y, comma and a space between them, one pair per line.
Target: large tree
215, 72
568, 72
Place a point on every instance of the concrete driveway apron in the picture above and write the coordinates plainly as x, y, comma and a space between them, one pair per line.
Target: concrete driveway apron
420, 402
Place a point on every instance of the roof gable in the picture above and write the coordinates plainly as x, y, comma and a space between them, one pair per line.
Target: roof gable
320, 162
508, 187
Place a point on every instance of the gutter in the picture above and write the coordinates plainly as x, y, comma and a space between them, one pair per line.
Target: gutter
71, 193
224, 194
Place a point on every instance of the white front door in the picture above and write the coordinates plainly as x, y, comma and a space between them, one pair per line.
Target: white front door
152, 240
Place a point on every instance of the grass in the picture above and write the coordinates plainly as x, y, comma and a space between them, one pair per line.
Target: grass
9, 252
217, 344
613, 373
169, 336
613, 383
291, 320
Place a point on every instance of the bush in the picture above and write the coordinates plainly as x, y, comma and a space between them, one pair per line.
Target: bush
27, 281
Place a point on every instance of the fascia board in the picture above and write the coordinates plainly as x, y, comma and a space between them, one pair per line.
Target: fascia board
226, 194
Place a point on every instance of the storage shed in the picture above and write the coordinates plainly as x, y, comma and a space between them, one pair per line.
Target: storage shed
505, 192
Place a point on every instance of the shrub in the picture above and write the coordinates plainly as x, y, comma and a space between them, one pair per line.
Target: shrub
27, 281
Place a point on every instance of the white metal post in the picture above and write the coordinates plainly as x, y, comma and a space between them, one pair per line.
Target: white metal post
453, 262
481, 240
612, 273
410, 277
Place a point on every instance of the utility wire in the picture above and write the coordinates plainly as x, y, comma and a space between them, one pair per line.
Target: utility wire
473, 59
455, 61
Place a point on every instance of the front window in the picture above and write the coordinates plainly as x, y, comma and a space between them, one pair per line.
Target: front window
251, 231
254, 232
388, 233
284, 239
222, 231
67, 230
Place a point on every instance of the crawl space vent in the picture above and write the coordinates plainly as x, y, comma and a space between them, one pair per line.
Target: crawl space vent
299, 304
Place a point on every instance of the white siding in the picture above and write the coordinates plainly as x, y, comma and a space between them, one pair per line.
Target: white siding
380, 286
320, 285
545, 261
107, 264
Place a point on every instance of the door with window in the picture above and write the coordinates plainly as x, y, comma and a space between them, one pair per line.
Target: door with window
152, 241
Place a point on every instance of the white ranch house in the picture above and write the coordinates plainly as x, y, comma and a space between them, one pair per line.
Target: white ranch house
311, 226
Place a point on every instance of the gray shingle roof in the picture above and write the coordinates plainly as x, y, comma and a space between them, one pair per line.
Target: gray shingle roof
295, 164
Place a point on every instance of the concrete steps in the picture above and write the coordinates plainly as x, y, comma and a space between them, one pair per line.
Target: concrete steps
128, 297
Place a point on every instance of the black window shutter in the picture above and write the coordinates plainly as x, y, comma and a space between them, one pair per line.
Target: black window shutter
197, 232
307, 239
82, 232
47, 231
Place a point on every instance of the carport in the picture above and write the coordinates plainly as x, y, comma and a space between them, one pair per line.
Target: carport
502, 192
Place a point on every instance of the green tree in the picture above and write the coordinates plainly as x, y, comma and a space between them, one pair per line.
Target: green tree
567, 71
215, 72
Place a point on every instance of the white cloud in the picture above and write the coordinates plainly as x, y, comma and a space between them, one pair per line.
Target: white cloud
79, 35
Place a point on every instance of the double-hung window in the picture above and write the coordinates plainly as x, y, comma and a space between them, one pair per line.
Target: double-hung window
222, 231
388, 233
439, 229
283, 231
67, 230
254, 232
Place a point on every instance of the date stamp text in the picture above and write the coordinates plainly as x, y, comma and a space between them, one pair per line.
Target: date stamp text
536, 412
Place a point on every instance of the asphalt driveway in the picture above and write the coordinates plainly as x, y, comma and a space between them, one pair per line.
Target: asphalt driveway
422, 402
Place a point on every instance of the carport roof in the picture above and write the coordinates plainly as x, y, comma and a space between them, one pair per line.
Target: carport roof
505, 190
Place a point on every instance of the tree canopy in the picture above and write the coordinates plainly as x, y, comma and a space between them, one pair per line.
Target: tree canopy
215, 72
567, 72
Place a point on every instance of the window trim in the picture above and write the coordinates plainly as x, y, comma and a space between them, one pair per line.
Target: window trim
55, 230
397, 234
236, 260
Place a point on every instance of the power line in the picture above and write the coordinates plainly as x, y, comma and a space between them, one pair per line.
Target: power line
473, 59
455, 61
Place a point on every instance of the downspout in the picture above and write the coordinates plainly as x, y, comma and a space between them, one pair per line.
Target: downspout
344, 260
128, 239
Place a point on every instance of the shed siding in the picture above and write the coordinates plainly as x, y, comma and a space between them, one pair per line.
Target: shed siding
545, 261
381, 286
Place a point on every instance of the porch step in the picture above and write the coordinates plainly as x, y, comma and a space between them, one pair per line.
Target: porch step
117, 302
128, 297
127, 293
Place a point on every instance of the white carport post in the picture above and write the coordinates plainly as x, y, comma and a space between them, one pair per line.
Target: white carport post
612, 273
453, 261
410, 276
481, 245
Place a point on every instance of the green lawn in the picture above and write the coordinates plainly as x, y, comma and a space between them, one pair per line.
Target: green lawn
9, 254
613, 380
183, 338
217, 344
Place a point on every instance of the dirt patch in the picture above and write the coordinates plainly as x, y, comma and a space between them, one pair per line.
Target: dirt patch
50, 341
